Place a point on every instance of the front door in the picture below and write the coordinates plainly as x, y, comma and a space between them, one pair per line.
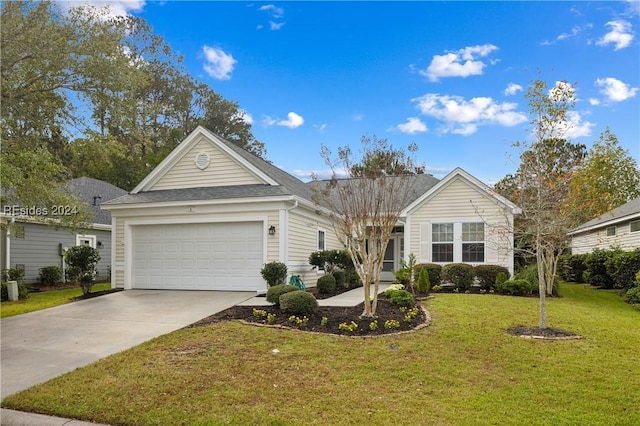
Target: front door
392, 257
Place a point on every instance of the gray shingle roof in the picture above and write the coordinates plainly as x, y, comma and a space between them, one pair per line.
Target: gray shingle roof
627, 209
87, 188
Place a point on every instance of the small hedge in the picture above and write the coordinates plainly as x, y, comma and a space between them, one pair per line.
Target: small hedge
433, 269
326, 284
458, 274
487, 274
23, 291
517, 287
274, 273
423, 285
401, 298
275, 292
50, 274
340, 276
298, 303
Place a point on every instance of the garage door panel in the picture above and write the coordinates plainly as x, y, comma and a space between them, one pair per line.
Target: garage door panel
198, 256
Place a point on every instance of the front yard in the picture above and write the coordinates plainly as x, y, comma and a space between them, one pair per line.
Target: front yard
462, 369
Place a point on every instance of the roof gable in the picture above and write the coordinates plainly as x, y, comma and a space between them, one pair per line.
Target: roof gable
476, 184
203, 159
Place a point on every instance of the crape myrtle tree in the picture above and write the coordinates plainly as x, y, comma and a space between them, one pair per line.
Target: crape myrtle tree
541, 184
367, 203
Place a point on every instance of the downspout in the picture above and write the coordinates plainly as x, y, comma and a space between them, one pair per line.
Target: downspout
284, 233
7, 255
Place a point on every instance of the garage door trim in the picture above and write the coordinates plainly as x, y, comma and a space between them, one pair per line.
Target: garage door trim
128, 235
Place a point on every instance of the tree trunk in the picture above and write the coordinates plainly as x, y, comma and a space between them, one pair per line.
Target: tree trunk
542, 288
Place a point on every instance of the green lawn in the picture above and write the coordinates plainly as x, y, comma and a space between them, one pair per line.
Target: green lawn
44, 300
462, 370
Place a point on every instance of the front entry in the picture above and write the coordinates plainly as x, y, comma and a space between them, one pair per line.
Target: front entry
392, 257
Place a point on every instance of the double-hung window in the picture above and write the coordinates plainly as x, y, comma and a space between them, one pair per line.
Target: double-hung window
442, 239
473, 242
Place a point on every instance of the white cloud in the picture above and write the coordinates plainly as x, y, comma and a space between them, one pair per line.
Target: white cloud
275, 11
413, 125
620, 35
357, 117
293, 121
245, 116
464, 116
218, 63
562, 91
576, 127
512, 89
616, 90
459, 63
594, 101
275, 26
323, 174
321, 127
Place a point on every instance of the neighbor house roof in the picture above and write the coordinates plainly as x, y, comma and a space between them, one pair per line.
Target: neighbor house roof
94, 192
627, 211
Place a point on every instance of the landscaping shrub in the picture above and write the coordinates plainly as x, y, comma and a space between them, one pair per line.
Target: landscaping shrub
423, 285
516, 287
274, 273
572, 267
13, 274
50, 274
83, 262
501, 278
622, 267
23, 291
633, 295
326, 284
274, 292
530, 273
352, 279
597, 268
298, 303
402, 298
434, 270
329, 260
486, 275
459, 274
339, 275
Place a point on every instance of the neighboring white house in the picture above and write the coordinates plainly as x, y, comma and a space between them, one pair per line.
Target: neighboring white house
211, 215
30, 244
618, 228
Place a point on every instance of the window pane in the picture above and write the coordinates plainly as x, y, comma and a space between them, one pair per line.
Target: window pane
473, 252
635, 226
473, 231
442, 232
611, 231
321, 240
442, 253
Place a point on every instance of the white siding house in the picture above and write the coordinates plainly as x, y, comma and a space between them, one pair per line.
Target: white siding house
619, 228
211, 214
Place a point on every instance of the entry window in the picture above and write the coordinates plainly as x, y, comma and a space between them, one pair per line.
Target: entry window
611, 231
321, 239
86, 240
442, 238
473, 242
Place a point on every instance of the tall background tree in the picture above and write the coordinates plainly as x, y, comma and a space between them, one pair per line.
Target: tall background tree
84, 93
367, 204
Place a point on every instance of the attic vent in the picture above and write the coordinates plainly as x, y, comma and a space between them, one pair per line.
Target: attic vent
202, 160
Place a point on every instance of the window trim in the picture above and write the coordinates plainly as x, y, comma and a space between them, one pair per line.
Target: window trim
637, 223
458, 242
611, 231
93, 240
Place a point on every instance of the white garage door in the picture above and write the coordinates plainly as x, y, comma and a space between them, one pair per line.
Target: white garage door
198, 256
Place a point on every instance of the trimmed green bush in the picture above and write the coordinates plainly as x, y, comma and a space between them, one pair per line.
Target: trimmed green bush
633, 295
597, 268
517, 287
530, 273
274, 292
83, 262
339, 275
486, 275
571, 268
458, 274
434, 270
402, 298
501, 278
50, 274
326, 284
298, 303
423, 285
622, 267
274, 273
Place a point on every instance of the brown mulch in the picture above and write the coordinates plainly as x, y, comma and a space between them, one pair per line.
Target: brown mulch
96, 294
335, 316
542, 333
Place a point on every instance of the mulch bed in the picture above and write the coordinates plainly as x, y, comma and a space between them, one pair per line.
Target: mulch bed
542, 333
96, 294
335, 316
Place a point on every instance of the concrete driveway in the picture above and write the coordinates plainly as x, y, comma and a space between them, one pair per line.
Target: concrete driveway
41, 345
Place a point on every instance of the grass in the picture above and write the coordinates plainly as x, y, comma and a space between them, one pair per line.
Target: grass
462, 370
44, 300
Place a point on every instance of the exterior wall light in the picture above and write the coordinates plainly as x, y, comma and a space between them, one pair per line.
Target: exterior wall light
272, 230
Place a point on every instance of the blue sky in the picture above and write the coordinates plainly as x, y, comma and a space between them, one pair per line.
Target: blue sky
448, 75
